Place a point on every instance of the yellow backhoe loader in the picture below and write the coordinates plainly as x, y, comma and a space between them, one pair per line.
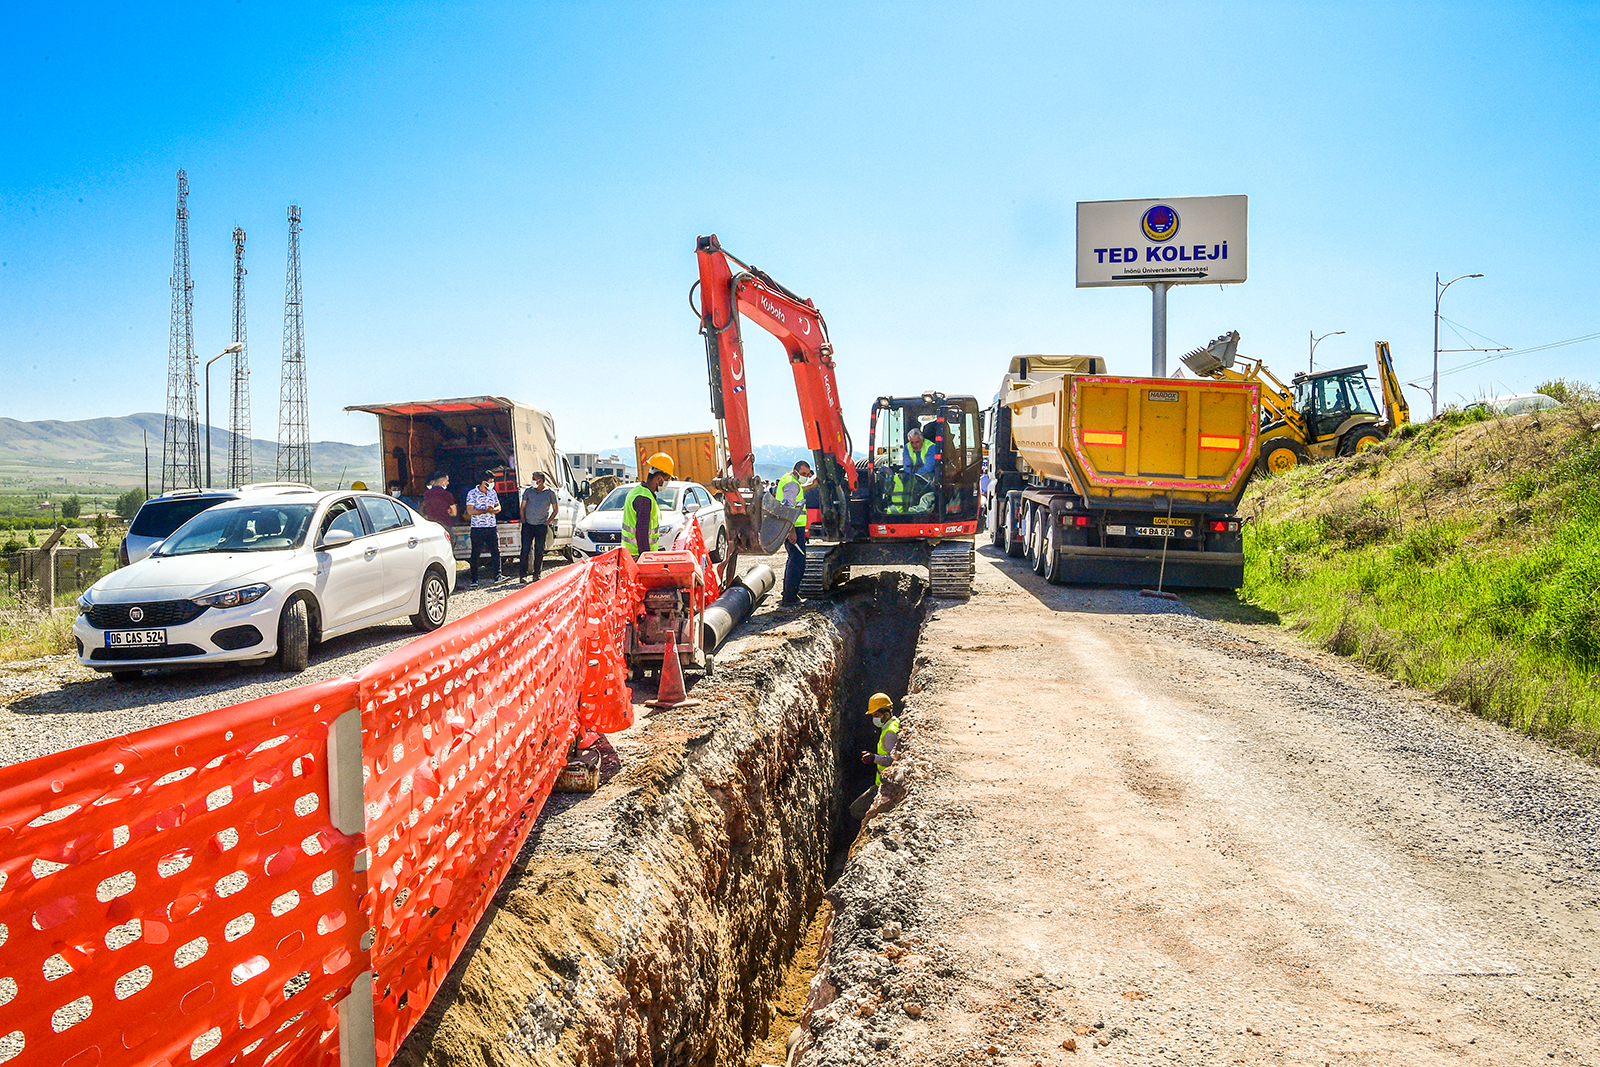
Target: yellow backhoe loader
1318, 416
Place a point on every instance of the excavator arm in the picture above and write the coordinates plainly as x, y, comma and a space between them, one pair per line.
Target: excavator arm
727, 294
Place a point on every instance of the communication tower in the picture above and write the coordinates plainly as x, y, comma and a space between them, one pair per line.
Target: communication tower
294, 448
180, 450
240, 455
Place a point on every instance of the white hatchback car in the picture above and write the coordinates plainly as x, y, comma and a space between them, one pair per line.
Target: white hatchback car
251, 579
601, 529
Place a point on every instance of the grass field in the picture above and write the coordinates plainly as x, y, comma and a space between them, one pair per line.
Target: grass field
1462, 556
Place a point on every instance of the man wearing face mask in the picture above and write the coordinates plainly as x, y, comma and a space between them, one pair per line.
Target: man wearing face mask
881, 708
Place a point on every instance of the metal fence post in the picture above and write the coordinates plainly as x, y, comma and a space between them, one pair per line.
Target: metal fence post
358, 1046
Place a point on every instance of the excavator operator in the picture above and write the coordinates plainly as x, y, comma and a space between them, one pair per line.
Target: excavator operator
913, 483
641, 515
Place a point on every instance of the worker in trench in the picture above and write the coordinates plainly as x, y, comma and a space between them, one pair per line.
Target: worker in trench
881, 709
791, 491
641, 514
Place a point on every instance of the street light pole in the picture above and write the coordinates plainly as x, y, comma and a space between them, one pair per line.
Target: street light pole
1315, 341
1438, 296
237, 346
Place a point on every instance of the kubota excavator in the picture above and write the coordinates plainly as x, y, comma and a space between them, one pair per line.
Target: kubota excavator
1329, 413
879, 511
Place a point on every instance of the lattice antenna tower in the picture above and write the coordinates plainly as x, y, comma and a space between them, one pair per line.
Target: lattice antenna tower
240, 457
180, 450
294, 447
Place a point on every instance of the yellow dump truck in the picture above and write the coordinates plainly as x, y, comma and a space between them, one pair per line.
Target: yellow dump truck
1123, 480
696, 454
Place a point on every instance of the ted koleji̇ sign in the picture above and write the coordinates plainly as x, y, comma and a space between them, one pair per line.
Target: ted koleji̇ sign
1185, 241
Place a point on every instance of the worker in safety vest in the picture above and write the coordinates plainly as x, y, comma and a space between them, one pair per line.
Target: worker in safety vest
912, 490
791, 491
881, 708
641, 514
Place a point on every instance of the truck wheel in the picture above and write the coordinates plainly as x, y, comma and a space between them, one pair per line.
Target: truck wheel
1041, 541
1280, 454
294, 636
1052, 552
1014, 547
1359, 440
433, 603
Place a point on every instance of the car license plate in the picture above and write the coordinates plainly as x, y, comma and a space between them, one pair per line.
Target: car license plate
1154, 531
135, 638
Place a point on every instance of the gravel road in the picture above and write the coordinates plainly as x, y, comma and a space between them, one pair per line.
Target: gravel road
1133, 835
54, 703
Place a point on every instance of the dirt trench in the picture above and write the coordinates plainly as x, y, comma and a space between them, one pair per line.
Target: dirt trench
650, 922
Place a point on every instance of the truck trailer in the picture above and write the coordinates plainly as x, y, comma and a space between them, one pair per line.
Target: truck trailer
1107, 479
466, 436
697, 456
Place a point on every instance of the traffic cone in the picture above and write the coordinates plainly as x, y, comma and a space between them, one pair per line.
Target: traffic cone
670, 693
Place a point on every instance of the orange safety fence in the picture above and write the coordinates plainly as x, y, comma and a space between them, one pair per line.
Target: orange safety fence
181, 894
463, 734
184, 894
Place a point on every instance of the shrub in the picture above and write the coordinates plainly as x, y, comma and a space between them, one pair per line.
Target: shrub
72, 507
1569, 392
128, 503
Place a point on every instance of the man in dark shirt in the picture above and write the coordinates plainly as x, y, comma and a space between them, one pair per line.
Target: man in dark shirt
438, 504
538, 509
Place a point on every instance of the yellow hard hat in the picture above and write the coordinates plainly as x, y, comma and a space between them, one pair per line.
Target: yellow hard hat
358, 485
878, 702
661, 462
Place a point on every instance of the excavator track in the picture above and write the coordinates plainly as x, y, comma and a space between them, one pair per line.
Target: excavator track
951, 569
821, 571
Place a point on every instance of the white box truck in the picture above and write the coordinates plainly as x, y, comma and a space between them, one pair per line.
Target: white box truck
466, 436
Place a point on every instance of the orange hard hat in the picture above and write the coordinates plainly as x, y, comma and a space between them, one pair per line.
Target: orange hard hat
661, 462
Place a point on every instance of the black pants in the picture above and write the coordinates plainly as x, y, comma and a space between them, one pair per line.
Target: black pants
484, 537
533, 535
796, 567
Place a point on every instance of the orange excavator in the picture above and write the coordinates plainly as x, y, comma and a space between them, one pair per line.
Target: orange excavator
894, 508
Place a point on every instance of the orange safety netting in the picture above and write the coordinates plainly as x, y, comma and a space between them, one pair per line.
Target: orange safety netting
180, 894
463, 734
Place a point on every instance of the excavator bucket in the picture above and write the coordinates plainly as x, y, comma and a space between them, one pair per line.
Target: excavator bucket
1216, 356
762, 527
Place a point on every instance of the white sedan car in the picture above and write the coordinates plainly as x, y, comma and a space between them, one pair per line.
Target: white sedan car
601, 529
255, 578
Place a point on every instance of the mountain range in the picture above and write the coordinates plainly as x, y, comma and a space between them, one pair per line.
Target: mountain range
111, 451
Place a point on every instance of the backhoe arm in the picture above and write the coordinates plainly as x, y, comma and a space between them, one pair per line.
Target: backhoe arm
1395, 408
725, 296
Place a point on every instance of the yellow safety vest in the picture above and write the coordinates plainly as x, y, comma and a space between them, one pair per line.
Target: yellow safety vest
799, 500
892, 726
630, 533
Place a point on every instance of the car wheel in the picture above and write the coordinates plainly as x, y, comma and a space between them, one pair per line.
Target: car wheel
127, 676
433, 603
294, 636
720, 553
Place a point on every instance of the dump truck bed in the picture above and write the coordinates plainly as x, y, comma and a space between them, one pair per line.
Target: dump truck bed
1185, 444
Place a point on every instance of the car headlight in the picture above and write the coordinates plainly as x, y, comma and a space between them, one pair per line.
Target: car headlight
232, 598
84, 603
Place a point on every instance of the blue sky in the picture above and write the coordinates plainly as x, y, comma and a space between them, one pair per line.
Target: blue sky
504, 198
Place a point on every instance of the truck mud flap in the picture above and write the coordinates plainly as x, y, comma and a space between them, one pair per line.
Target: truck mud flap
1184, 570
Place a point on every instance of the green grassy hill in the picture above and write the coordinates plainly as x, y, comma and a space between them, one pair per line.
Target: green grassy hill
1461, 556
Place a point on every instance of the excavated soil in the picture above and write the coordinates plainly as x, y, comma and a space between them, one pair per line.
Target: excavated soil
651, 921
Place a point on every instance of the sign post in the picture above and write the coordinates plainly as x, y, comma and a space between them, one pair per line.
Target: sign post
1196, 240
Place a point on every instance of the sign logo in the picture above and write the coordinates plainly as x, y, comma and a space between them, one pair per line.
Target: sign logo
136, 614
1160, 223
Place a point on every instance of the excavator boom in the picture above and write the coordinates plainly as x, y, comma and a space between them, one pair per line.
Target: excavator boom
726, 295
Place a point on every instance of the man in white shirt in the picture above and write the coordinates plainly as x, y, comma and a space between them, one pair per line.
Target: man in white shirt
483, 507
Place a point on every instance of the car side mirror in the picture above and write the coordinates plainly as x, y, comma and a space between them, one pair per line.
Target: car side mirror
690, 509
583, 490
335, 538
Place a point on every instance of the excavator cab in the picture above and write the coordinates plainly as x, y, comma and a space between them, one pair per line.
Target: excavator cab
927, 454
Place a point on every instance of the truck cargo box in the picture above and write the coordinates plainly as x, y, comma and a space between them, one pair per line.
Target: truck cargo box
696, 455
1185, 444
